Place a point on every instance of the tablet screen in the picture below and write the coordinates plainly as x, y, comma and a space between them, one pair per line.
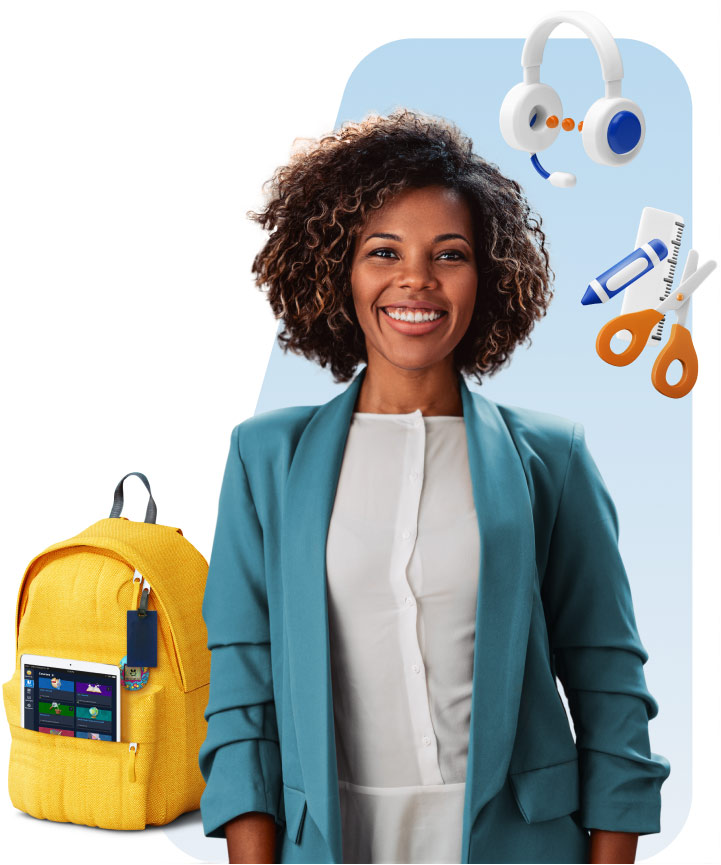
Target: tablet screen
70, 702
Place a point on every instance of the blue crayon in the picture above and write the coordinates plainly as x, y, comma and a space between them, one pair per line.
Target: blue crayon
628, 270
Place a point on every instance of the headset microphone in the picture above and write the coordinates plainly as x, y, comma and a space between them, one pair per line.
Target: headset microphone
556, 178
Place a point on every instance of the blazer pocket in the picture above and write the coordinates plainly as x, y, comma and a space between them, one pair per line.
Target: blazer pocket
295, 806
547, 793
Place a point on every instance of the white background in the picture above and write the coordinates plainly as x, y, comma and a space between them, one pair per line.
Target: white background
134, 137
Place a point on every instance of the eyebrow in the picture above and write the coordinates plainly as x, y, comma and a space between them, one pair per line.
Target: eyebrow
439, 239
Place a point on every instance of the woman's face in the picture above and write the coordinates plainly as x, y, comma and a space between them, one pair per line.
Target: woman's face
415, 256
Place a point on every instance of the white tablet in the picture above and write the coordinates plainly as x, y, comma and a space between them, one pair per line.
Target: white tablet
70, 698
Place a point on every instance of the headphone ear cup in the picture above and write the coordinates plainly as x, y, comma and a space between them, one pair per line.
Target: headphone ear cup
613, 130
527, 104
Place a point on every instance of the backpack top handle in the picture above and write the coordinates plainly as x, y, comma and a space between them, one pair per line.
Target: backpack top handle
151, 512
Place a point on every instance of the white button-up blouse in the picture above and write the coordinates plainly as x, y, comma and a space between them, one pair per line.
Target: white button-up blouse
403, 559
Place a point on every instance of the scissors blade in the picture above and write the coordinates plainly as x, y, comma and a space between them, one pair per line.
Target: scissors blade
688, 270
679, 296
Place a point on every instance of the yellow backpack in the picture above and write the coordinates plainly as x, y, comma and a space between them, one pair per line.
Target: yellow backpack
72, 604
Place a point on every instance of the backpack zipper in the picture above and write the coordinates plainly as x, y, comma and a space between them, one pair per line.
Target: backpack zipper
138, 578
132, 750
139, 586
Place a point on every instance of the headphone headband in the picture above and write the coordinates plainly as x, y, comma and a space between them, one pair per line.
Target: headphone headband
597, 32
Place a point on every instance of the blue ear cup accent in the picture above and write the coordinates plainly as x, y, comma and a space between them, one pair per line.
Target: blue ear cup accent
624, 132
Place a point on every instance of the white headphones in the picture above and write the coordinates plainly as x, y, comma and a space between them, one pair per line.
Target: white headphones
613, 128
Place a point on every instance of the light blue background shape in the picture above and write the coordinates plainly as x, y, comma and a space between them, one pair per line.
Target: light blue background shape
640, 439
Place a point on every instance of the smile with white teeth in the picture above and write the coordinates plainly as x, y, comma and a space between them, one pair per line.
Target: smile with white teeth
412, 315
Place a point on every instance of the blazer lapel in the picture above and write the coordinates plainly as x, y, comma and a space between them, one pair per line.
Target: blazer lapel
309, 495
505, 592
507, 570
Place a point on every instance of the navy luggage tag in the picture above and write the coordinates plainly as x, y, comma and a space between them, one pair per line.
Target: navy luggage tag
142, 637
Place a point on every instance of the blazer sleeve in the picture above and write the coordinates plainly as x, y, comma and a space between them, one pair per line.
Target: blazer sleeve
598, 655
240, 757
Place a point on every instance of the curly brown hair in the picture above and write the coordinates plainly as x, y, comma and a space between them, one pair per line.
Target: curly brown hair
319, 202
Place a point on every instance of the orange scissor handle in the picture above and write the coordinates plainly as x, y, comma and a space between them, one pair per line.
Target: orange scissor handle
679, 347
639, 324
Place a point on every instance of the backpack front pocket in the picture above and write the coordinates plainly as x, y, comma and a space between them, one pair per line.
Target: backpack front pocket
91, 782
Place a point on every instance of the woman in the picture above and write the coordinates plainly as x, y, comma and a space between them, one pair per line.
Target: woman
398, 575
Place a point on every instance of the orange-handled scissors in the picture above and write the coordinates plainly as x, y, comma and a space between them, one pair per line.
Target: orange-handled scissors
679, 346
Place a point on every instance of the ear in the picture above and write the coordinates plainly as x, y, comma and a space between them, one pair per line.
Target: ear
613, 130
522, 104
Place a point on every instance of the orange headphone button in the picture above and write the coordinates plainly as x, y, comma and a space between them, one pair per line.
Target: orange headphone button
568, 124
552, 122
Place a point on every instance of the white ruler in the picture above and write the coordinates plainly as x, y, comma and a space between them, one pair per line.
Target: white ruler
655, 285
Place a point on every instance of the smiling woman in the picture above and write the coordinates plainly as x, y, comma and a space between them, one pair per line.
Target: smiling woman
401, 575
414, 272
372, 178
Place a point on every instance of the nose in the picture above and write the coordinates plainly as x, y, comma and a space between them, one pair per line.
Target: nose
417, 273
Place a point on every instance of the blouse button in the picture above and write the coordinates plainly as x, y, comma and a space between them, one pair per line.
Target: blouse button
409, 601
406, 535
415, 474
416, 668
426, 740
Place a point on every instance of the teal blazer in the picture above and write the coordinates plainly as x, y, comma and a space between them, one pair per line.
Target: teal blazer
553, 602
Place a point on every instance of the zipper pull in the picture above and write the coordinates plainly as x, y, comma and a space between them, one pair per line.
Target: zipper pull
132, 750
137, 580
